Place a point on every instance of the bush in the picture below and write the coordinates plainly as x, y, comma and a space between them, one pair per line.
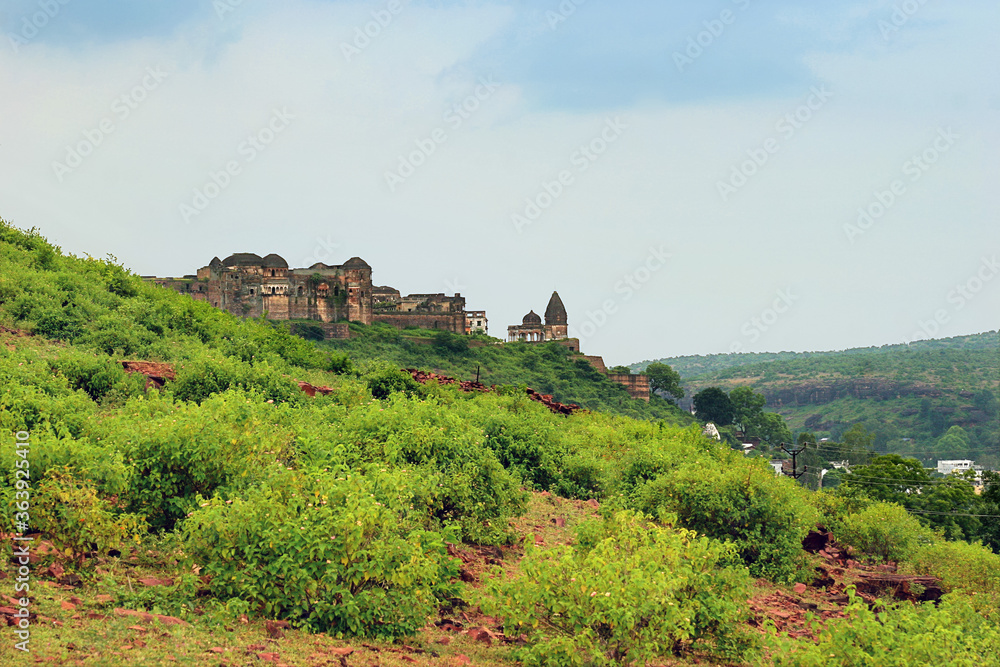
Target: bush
970, 568
181, 451
949, 634
628, 592
470, 487
69, 510
322, 552
885, 532
737, 501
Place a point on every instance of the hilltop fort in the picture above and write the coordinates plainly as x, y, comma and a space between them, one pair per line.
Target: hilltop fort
249, 285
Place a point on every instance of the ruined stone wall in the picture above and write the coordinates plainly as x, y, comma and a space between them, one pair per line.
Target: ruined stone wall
454, 322
596, 362
637, 386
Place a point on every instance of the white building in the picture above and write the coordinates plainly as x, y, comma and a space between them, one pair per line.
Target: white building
957, 465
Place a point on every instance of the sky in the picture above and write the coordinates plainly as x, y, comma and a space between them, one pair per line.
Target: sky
692, 177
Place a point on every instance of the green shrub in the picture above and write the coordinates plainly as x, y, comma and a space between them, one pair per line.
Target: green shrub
628, 592
885, 532
323, 552
471, 488
180, 451
901, 636
584, 475
970, 568
386, 381
741, 502
200, 378
69, 510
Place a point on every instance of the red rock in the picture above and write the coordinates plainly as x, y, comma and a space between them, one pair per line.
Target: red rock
799, 588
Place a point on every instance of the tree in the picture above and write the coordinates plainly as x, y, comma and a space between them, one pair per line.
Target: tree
806, 437
713, 405
890, 478
941, 503
622, 370
855, 445
748, 406
771, 427
664, 379
954, 444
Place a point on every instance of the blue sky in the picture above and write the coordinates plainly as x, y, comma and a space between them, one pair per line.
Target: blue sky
833, 102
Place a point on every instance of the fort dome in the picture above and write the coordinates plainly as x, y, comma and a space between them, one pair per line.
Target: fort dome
532, 318
243, 259
555, 313
356, 263
274, 261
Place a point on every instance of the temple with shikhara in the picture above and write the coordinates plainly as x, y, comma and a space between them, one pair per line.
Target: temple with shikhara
249, 285
531, 329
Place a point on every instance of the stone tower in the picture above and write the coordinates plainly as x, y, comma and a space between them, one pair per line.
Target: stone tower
555, 319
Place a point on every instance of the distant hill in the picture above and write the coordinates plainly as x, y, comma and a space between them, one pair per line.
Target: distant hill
697, 365
909, 395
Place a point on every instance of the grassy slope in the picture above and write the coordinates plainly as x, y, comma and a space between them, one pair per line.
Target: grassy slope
547, 368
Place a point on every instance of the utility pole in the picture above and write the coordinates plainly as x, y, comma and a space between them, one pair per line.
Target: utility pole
794, 453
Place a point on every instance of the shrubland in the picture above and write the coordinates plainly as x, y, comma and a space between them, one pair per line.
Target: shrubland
336, 512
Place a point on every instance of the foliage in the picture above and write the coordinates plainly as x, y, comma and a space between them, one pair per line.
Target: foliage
628, 592
945, 503
77, 520
549, 368
748, 406
318, 549
714, 405
764, 517
665, 380
949, 634
884, 531
969, 568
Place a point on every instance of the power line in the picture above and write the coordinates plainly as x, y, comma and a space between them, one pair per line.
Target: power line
834, 448
988, 516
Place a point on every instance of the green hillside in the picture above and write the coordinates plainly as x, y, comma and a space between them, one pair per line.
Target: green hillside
209, 511
909, 396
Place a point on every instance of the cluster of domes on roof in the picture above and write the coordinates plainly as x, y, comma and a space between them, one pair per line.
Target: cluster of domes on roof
555, 313
274, 261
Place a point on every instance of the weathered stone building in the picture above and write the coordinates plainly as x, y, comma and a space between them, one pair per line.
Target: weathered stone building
556, 328
249, 285
531, 329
